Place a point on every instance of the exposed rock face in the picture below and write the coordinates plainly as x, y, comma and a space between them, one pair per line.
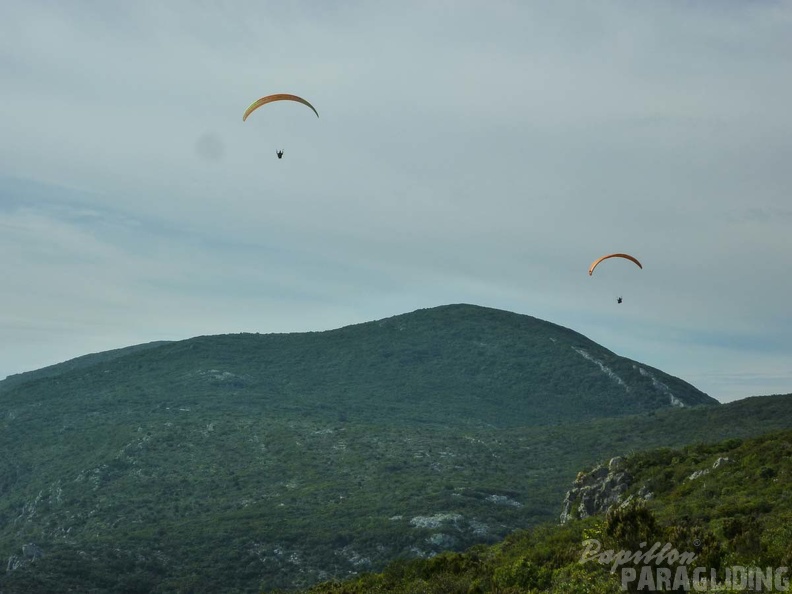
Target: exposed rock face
717, 464
698, 473
594, 492
30, 552
721, 461
597, 491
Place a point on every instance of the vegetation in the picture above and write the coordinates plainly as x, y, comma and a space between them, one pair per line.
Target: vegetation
242, 462
748, 527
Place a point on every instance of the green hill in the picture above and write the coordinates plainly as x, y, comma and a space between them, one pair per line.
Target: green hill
238, 462
453, 365
721, 511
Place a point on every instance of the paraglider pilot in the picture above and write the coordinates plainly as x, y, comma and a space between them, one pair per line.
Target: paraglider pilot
279, 153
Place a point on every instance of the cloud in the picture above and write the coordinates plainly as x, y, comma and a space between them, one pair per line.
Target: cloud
464, 153
765, 215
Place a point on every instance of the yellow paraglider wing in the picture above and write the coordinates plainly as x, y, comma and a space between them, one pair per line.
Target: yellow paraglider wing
627, 256
277, 97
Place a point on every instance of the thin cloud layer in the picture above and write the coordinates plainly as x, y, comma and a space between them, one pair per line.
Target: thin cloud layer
464, 153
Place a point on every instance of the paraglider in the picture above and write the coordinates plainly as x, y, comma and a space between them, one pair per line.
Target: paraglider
276, 97
627, 256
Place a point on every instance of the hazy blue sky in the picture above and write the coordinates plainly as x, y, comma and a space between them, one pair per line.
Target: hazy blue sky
480, 152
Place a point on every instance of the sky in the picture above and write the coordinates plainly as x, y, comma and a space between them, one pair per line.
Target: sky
479, 152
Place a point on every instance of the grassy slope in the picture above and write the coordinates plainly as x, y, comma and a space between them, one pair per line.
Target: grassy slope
233, 461
738, 514
238, 503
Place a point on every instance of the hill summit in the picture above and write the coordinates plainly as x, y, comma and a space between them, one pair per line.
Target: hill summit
246, 462
450, 365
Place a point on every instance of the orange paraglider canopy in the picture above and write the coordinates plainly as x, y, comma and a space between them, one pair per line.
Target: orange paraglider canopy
627, 256
277, 97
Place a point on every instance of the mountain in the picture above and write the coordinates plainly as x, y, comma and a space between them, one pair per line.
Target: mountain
240, 462
454, 365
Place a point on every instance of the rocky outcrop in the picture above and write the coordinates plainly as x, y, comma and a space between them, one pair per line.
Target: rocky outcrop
30, 552
717, 464
596, 491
